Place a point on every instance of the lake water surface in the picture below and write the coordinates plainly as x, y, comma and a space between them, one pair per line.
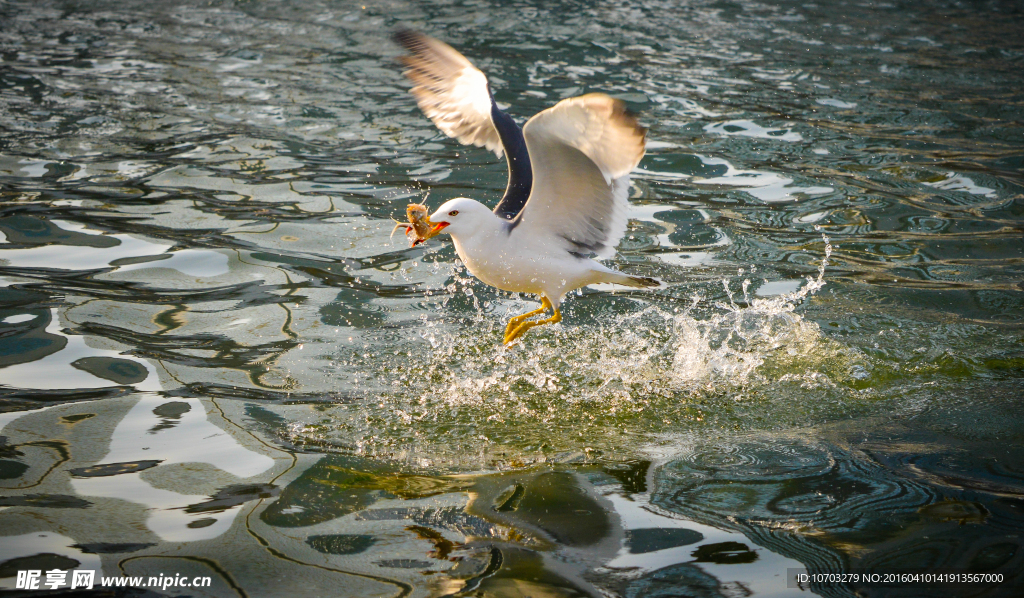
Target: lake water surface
214, 361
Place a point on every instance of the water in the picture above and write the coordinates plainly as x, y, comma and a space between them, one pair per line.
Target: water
215, 362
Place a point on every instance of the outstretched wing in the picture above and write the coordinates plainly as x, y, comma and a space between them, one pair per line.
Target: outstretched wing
450, 90
582, 149
456, 96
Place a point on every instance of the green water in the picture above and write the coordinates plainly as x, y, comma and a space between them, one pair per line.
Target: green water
214, 361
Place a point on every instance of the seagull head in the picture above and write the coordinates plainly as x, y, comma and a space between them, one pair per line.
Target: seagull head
459, 216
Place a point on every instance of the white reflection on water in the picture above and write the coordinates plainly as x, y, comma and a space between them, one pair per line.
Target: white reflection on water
141, 436
762, 577
194, 262
34, 543
778, 287
55, 371
836, 103
203, 263
746, 128
82, 257
766, 186
307, 195
958, 182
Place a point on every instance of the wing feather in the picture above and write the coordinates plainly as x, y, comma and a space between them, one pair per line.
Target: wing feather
582, 150
449, 90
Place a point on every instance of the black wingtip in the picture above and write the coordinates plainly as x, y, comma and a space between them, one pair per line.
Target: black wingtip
629, 117
401, 35
407, 38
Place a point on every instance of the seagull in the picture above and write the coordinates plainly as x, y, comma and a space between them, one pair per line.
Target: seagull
565, 203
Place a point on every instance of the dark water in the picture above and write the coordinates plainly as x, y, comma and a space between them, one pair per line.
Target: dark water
214, 361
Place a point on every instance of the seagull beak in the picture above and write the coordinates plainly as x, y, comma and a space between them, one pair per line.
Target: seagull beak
435, 230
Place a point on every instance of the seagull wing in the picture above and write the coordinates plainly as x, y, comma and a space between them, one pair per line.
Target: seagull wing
582, 150
457, 97
450, 90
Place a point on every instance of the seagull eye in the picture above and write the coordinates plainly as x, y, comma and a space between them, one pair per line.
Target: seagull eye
453, 213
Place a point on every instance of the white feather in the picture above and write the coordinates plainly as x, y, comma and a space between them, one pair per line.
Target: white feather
450, 91
521, 260
582, 150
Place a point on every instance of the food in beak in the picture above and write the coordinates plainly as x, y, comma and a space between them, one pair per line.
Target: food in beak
419, 223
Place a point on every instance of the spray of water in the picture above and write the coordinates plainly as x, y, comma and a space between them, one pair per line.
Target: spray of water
644, 369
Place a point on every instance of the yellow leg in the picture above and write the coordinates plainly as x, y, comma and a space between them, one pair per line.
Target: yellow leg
523, 327
544, 306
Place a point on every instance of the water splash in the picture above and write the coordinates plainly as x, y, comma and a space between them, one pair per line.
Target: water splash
639, 370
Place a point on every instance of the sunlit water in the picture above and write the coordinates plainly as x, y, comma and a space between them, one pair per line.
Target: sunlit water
215, 361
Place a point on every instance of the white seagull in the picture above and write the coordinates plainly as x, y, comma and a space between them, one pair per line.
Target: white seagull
567, 189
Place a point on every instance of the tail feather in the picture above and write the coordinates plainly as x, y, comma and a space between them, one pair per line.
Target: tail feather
641, 282
604, 274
